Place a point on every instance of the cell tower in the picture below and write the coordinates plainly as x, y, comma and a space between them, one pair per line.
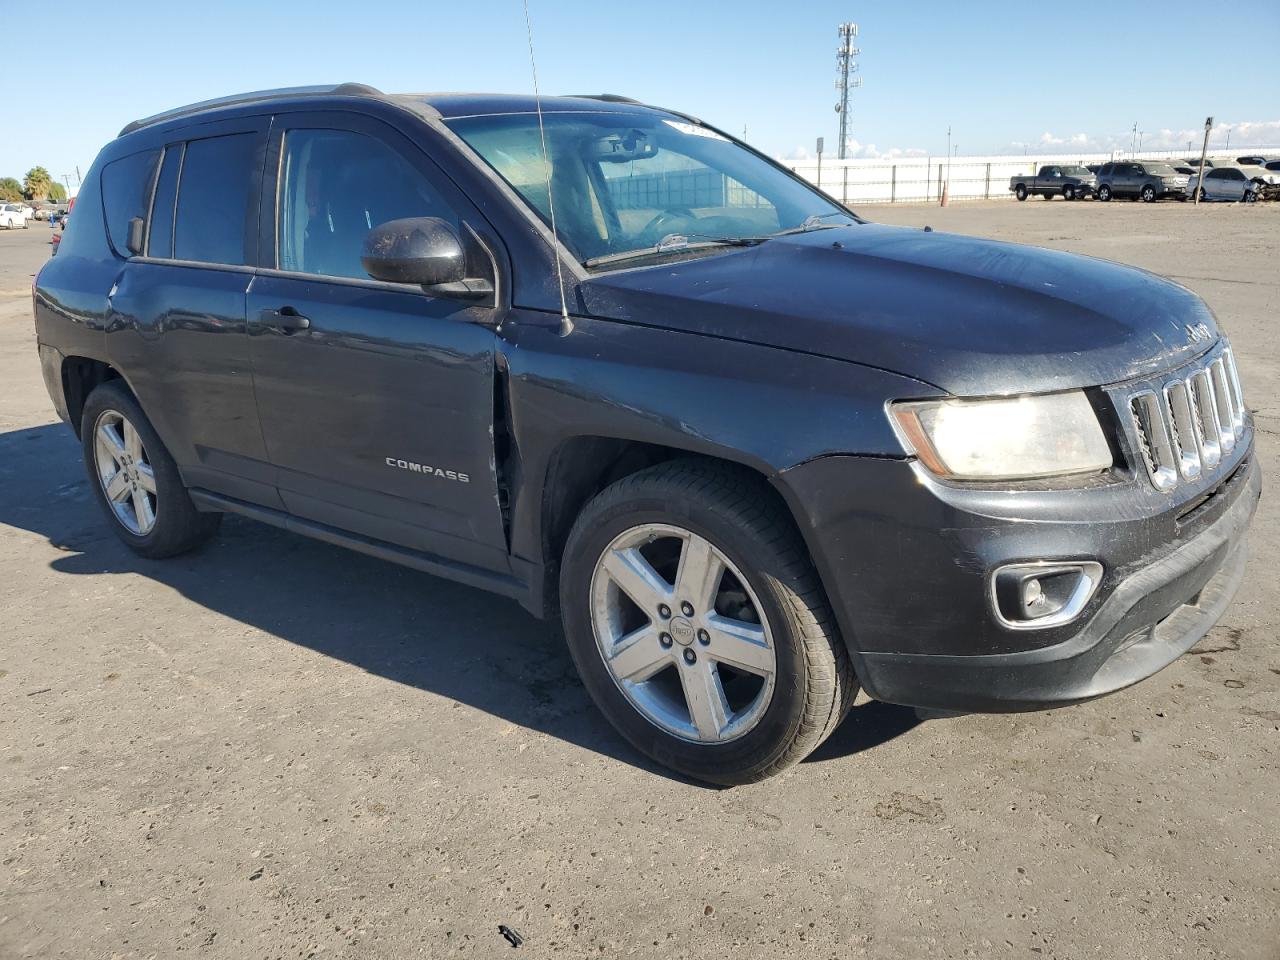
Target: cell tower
846, 65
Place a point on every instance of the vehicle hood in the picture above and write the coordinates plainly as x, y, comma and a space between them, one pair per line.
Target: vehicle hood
970, 316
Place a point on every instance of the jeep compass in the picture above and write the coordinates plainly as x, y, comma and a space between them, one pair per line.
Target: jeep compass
754, 452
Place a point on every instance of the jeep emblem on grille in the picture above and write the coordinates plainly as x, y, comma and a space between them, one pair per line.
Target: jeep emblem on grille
1198, 333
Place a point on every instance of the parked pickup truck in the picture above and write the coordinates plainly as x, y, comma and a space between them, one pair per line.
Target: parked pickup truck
749, 451
1070, 182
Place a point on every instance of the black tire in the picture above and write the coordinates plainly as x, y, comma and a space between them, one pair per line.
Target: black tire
1203, 196
1068, 193
1250, 196
1148, 193
1104, 193
1020, 191
1047, 196
730, 507
178, 526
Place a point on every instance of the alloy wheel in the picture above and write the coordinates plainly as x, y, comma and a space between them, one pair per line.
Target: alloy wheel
125, 473
682, 633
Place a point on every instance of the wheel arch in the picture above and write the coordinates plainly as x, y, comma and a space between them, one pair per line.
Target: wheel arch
582, 466
80, 377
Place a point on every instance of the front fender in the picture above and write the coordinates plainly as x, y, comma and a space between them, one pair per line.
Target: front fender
766, 408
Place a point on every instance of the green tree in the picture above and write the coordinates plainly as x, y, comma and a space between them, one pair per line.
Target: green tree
57, 192
36, 183
10, 189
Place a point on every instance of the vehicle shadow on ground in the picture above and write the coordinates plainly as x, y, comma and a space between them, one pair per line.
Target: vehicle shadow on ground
409, 627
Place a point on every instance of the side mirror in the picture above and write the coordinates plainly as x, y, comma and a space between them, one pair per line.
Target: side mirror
422, 250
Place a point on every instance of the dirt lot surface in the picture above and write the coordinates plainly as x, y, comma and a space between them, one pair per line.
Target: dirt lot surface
275, 748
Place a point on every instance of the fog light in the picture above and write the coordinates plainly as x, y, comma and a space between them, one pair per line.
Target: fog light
1034, 596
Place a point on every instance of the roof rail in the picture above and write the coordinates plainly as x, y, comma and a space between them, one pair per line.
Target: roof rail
606, 97
338, 90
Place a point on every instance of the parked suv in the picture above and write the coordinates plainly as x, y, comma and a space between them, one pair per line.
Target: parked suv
753, 451
1144, 180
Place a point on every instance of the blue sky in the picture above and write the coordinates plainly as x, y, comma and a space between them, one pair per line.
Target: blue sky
1001, 74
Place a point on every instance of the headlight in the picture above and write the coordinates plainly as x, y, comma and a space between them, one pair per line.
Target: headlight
1007, 439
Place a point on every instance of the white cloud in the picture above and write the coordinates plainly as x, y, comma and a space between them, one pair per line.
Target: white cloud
857, 150
1243, 134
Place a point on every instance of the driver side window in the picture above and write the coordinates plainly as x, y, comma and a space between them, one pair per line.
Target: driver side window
336, 186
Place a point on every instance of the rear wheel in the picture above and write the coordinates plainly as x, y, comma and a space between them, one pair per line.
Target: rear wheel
1020, 191
699, 626
1104, 192
134, 478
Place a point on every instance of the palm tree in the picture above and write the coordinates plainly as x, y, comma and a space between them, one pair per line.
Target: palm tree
36, 183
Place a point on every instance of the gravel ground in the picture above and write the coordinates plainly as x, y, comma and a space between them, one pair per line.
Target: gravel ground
275, 748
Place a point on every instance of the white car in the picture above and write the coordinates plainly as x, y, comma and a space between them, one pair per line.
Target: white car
1225, 183
13, 215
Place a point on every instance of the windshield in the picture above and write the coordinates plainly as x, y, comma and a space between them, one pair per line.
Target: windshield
1160, 169
636, 184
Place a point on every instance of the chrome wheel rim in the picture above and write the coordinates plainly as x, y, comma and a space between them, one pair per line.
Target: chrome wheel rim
125, 473
682, 633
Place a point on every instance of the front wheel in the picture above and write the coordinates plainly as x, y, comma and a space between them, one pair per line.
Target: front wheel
699, 626
1104, 193
135, 480
1250, 196
1068, 193
1148, 194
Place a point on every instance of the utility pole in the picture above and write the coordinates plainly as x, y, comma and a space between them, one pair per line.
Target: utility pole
1134, 147
948, 157
1204, 152
820, 145
845, 65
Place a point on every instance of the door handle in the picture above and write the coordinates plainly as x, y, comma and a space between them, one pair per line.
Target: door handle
286, 319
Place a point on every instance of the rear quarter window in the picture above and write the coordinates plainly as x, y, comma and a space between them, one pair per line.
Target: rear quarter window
126, 192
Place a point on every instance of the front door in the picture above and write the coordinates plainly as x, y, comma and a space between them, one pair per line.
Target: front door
376, 399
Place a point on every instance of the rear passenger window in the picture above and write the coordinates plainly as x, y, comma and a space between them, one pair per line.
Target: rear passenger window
336, 186
213, 200
126, 191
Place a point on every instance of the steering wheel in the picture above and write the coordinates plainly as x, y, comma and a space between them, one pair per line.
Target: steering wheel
666, 216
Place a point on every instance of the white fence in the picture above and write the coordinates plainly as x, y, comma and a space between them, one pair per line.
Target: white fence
920, 180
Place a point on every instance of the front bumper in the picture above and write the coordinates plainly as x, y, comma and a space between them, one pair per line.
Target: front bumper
905, 570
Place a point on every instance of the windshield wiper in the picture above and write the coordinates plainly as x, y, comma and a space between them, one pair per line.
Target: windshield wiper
814, 222
676, 243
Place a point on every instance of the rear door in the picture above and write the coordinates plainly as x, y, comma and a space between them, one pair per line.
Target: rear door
178, 307
1125, 180
378, 408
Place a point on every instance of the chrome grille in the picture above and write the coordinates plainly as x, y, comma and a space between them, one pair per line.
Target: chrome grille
1189, 424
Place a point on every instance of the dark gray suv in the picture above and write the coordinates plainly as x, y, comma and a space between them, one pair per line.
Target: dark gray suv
1141, 180
752, 451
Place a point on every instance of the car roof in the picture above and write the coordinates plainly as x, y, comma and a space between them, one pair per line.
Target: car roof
446, 106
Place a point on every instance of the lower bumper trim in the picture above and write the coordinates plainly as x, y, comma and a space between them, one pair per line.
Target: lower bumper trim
1153, 617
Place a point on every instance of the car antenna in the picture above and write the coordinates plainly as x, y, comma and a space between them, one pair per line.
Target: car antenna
566, 325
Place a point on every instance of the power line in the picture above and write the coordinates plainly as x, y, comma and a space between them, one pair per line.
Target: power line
845, 65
